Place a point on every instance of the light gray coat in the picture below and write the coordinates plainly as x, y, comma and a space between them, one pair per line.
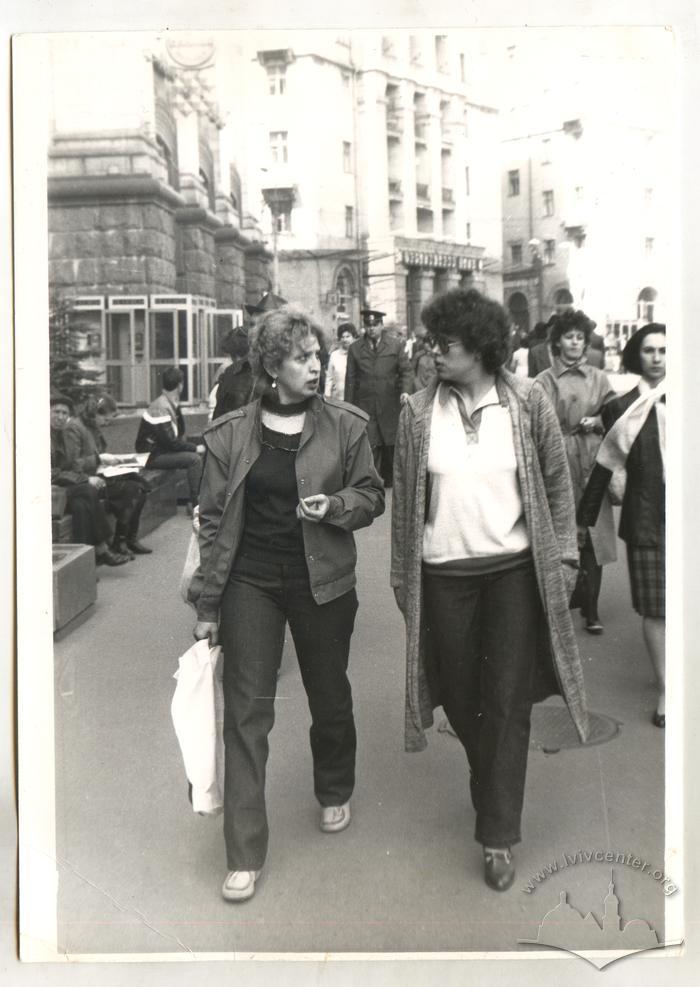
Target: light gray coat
548, 505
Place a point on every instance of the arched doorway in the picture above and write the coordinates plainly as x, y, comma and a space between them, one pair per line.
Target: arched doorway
345, 289
563, 299
519, 312
645, 304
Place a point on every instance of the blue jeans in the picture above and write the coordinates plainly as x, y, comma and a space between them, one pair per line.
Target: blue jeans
483, 633
260, 598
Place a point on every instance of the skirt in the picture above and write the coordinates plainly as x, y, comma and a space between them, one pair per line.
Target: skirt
647, 569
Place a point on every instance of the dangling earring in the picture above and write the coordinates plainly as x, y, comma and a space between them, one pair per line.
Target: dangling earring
274, 383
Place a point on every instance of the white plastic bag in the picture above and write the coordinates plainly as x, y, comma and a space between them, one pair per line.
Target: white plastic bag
197, 710
192, 560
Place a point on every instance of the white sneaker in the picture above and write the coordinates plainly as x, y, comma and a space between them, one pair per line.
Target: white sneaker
335, 818
240, 885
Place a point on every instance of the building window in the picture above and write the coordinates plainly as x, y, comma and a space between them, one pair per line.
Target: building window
441, 56
545, 150
208, 189
514, 182
283, 220
466, 181
277, 79
548, 202
549, 247
344, 289
387, 46
645, 304
349, 221
414, 49
649, 246
516, 253
468, 232
347, 157
278, 146
462, 69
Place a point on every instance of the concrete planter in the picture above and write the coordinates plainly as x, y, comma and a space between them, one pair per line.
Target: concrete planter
74, 582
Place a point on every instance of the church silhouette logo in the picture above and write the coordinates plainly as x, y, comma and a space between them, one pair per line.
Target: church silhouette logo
564, 927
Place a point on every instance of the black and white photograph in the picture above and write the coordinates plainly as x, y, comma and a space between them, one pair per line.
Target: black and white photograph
345, 449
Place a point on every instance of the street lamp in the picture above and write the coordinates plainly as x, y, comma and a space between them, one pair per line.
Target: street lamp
536, 255
279, 198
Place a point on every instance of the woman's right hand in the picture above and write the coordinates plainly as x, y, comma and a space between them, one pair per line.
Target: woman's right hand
207, 628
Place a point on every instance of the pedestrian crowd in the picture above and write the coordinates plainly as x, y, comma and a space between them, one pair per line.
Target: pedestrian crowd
506, 457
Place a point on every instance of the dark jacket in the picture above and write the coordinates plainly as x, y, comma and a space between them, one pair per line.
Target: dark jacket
334, 458
162, 428
84, 445
643, 515
64, 471
423, 366
235, 388
375, 380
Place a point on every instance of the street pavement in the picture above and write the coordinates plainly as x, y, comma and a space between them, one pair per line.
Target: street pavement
139, 872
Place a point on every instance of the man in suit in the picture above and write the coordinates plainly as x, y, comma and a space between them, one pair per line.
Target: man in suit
378, 380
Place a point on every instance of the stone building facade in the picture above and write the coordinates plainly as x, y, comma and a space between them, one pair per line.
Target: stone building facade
147, 235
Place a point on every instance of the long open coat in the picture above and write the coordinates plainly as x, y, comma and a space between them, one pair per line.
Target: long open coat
375, 380
548, 505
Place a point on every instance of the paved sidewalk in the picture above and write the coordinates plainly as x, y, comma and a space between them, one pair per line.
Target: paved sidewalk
140, 872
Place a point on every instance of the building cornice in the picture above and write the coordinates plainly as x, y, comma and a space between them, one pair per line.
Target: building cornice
91, 188
198, 216
231, 234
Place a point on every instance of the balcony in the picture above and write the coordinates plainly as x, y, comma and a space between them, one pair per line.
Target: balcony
448, 197
395, 189
393, 122
422, 192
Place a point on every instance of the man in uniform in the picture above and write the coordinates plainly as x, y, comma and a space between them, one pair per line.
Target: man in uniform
378, 380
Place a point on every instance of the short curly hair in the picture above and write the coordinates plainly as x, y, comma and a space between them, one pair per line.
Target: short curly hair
273, 336
564, 322
631, 354
479, 323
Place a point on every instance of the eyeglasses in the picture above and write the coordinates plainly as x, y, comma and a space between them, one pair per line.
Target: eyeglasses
441, 342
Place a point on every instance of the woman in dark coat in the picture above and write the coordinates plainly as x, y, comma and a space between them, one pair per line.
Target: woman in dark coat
124, 495
635, 440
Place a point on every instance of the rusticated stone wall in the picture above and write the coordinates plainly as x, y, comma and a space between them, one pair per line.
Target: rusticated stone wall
230, 268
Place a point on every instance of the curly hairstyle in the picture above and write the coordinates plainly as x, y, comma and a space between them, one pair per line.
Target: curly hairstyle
273, 336
564, 322
479, 323
630, 355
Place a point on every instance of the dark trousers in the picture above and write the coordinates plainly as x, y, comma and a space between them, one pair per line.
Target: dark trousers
90, 523
190, 461
125, 500
259, 600
384, 462
594, 577
483, 635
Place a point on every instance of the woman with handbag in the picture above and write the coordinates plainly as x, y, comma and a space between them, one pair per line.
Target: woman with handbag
124, 495
578, 392
484, 558
286, 481
635, 427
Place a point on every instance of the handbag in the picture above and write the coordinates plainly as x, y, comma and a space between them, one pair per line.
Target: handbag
579, 596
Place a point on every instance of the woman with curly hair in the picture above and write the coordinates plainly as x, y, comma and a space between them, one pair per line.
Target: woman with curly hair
578, 392
484, 558
287, 479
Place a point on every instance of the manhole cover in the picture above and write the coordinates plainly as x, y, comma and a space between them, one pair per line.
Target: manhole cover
552, 729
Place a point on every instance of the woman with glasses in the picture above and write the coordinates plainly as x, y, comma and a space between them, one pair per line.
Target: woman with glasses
484, 558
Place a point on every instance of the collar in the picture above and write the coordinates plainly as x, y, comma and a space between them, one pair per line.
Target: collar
446, 391
644, 387
560, 368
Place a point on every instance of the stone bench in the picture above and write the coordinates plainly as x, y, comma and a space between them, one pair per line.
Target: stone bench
168, 489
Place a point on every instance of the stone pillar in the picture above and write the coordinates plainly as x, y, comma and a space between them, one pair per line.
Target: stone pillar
426, 280
401, 294
112, 235
258, 270
230, 267
196, 251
